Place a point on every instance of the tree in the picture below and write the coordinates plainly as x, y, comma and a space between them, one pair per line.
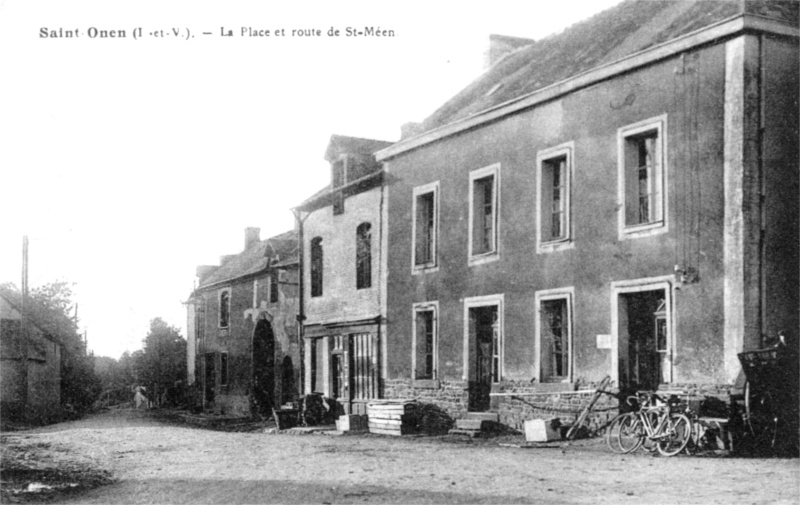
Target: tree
162, 363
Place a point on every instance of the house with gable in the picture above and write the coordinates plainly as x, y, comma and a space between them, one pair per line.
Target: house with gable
619, 199
243, 351
342, 231
30, 362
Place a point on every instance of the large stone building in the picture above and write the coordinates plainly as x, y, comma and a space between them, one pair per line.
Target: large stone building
243, 350
619, 199
343, 233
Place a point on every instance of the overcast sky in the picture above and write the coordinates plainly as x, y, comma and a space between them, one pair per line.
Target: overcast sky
129, 161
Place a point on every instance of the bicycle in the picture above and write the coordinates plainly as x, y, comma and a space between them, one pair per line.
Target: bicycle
656, 422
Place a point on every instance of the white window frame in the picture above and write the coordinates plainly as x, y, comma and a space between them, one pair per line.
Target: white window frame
659, 225
566, 150
666, 283
485, 301
432, 306
219, 305
565, 293
433, 265
494, 253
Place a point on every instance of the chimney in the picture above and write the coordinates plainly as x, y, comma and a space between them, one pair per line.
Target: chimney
410, 129
252, 236
501, 45
203, 271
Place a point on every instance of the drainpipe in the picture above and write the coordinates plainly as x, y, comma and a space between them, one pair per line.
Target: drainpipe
301, 312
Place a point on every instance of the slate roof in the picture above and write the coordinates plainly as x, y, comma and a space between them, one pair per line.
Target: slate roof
625, 29
280, 248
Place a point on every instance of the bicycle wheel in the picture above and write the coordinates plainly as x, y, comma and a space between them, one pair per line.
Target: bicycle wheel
678, 431
612, 432
631, 433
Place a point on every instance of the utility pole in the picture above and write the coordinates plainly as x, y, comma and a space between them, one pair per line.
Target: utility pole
23, 326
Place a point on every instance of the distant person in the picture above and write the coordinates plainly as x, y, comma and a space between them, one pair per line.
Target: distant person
139, 398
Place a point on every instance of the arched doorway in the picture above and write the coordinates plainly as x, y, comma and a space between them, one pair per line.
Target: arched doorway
263, 368
288, 391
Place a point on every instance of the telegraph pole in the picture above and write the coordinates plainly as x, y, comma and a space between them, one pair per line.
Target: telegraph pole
23, 326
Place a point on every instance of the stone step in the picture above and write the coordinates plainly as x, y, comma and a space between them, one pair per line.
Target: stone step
469, 424
483, 416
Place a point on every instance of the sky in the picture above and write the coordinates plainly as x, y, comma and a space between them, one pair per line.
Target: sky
130, 161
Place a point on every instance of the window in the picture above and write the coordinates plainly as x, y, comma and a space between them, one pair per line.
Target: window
223, 369
642, 177
554, 335
483, 200
425, 226
554, 192
273, 286
316, 266
364, 256
424, 341
224, 308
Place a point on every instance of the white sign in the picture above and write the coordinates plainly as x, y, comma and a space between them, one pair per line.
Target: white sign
604, 342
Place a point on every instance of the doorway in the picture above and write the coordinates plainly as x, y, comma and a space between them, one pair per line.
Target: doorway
263, 368
288, 390
210, 379
644, 339
484, 355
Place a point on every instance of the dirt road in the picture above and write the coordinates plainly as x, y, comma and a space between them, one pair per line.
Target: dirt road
154, 462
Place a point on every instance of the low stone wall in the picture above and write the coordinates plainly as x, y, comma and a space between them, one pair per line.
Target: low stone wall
450, 396
522, 401
517, 402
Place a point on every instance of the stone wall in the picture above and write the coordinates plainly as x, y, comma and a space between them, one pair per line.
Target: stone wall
522, 401
516, 402
450, 396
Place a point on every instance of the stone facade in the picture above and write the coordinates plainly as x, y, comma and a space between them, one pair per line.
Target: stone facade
243, 337
655, 301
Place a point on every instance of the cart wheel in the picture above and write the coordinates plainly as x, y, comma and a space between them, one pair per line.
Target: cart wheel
761, 415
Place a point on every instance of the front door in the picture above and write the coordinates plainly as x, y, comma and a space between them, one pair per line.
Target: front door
484, 330
644, 340
210, 381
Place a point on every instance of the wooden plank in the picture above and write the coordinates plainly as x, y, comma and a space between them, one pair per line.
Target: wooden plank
402, 417
390, 430
389, 422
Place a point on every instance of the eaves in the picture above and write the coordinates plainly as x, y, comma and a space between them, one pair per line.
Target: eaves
714, 33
